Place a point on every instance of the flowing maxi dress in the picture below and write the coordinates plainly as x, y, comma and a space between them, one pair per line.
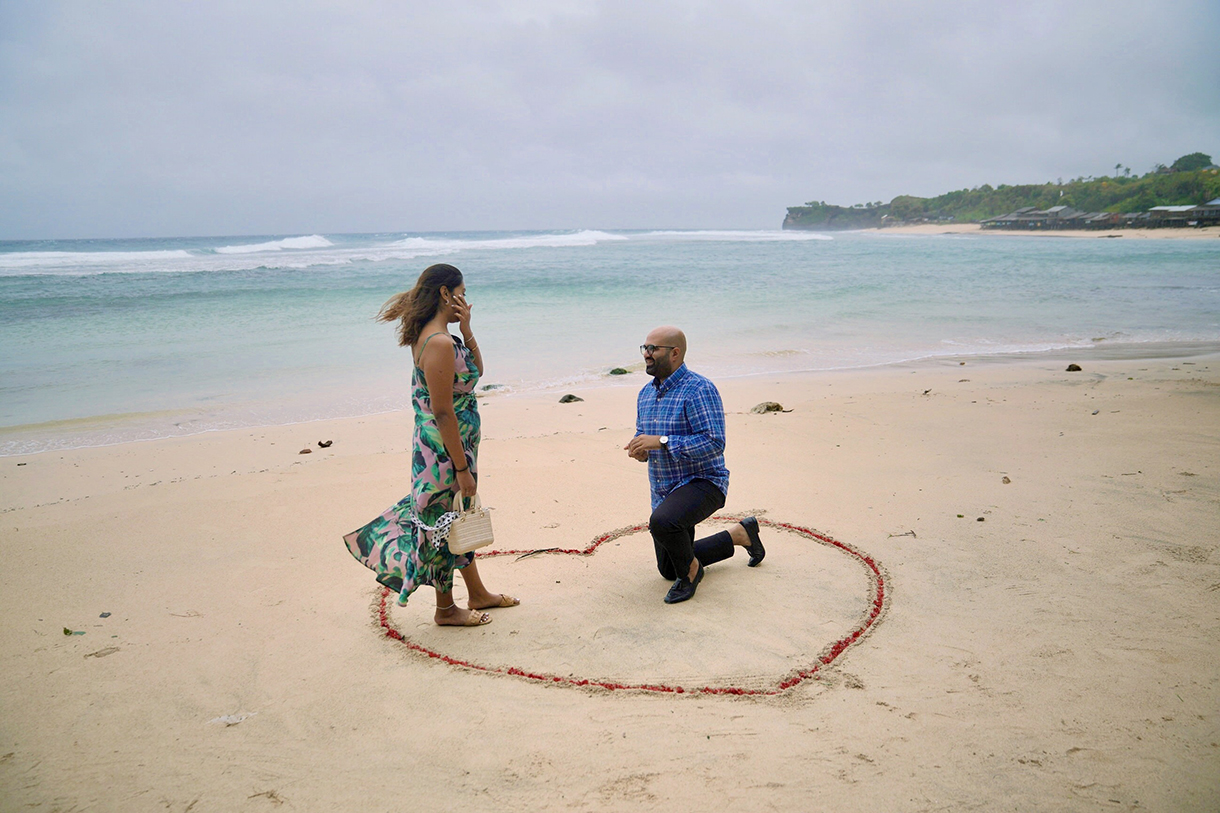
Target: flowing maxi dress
393, 546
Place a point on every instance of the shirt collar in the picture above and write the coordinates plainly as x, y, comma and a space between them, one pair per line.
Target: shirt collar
671, 381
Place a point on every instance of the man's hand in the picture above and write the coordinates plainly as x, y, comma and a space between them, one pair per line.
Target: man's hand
641, 445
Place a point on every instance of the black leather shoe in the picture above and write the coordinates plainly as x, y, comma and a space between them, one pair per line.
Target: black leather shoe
755, 548
684, 588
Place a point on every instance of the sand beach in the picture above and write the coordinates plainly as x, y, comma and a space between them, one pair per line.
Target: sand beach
1046, 639
1136, 234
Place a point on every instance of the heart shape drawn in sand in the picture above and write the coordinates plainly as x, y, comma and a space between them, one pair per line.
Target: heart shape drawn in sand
875, 608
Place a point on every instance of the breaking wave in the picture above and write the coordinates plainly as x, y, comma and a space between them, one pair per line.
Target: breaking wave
51, 262
312, 241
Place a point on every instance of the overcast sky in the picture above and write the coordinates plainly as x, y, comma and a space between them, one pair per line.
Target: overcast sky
218, 118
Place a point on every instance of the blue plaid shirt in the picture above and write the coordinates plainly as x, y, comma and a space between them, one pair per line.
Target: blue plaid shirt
687, 407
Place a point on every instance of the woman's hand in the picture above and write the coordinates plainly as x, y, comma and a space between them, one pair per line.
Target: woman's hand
466, 483
461, 309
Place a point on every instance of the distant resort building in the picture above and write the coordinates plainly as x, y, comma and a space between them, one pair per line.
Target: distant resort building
1065, 217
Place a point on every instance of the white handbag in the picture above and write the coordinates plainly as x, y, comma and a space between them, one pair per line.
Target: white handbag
472, 528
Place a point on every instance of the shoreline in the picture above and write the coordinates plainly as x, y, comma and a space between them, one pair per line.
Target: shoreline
117, 423
254, 356
1207, 232
1046, 538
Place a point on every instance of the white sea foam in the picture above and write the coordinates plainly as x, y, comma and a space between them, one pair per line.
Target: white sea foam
741, 236
287, 253
550, 240
188, 262
312, 241
53, 262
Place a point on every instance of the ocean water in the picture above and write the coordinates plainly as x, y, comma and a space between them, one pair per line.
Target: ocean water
105, 341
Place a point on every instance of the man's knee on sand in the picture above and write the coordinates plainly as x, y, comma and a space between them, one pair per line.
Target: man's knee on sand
665, 523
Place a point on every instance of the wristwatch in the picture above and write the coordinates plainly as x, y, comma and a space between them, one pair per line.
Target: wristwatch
664, 441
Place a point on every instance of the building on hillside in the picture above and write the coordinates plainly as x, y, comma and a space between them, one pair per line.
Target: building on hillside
1065, 217
1172, 216
1056, 217
1208, 214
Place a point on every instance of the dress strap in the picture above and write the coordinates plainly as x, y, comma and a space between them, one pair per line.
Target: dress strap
428, 339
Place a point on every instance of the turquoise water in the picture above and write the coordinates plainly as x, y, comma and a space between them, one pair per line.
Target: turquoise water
103, 341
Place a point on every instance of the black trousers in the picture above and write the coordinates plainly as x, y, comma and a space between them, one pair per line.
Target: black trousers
672, 526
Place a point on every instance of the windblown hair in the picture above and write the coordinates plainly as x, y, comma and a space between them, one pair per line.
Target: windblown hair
413, 308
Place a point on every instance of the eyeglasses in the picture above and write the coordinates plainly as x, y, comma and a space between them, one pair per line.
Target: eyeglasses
650, 349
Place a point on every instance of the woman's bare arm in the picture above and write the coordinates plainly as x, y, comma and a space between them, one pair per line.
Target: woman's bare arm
437, 364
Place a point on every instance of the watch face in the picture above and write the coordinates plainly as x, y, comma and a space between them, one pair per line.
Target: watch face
664, 440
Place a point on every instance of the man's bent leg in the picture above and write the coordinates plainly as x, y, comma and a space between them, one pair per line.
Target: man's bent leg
664, 566
715, 548
672, 525
709, 550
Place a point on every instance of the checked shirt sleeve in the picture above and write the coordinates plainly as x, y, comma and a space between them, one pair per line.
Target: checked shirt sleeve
705, 416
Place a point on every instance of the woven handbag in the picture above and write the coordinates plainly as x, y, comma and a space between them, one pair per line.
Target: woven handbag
472, 528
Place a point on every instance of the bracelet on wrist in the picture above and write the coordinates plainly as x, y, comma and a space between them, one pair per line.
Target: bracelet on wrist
459, 471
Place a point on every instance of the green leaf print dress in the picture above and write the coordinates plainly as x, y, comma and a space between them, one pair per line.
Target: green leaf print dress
401, 554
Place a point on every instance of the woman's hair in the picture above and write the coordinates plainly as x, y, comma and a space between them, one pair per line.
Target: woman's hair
413, 308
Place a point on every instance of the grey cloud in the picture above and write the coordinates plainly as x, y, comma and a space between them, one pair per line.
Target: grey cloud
146, 118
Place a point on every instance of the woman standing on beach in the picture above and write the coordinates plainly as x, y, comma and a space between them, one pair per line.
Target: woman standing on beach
401, 545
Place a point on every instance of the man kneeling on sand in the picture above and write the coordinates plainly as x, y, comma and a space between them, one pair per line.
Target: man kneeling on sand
679, 433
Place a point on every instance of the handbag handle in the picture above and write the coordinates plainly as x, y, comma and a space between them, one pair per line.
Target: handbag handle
473, 504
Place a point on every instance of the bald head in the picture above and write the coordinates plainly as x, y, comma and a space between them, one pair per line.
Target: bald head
670, 353
669, 336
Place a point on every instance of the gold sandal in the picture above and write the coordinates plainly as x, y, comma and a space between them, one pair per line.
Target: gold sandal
473, 619
505, 601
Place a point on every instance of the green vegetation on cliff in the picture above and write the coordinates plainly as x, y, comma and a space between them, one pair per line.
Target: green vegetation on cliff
1191, 180
823, 215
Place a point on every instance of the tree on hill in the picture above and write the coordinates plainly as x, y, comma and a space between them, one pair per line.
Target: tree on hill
1189, 163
